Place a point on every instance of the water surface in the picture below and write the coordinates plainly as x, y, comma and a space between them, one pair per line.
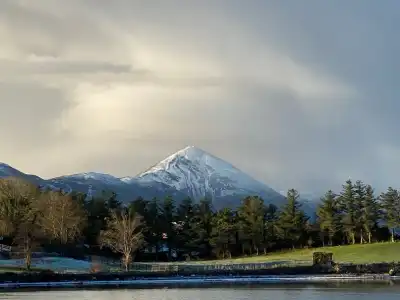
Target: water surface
281, 292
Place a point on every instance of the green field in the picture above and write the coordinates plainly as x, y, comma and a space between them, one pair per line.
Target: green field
358, 254
366, 253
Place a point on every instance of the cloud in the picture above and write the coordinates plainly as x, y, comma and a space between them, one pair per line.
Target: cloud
116, 86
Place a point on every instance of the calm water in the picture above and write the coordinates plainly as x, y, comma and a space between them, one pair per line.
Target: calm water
282, 292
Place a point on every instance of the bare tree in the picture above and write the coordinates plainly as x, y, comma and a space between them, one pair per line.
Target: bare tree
123, 235
14, 197
28, 234
19, 214
62, 218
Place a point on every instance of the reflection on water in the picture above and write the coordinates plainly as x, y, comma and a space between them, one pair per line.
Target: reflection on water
279, 292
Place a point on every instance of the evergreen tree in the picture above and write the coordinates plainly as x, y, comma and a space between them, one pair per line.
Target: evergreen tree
391, 207
202, 226
184, 232
328, 216
223, 233
139, 206
168, 221
348, 211
292, 220
251, 223
370, 212
154, 232
270, 226
97, 213
359, 201
112, 202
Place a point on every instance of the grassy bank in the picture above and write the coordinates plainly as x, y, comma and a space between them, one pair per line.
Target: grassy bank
354, 254
354, 259
358, 254
346, 270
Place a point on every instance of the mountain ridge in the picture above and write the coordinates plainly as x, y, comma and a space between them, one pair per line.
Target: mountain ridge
190, 171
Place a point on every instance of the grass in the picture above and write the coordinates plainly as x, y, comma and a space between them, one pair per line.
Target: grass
365, 253
5, 269
358, 254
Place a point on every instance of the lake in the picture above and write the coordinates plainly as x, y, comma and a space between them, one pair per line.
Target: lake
273, 292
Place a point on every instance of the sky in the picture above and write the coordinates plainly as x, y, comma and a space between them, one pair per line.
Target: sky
298, 94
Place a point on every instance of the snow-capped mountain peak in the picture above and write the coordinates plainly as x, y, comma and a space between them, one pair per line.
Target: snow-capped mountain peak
193, 155
188, 172
201, 174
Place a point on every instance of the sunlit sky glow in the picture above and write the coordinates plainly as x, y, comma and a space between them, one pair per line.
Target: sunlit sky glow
298, 94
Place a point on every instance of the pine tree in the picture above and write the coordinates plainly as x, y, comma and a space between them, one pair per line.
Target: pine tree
153, 219
270, 226
202, 226
251, 223
292, 220
370, 212
348, 210
391, 207
97, 213
139, 206
113, 204
328, 216
223, 233
359, 201
168, 218
185, 234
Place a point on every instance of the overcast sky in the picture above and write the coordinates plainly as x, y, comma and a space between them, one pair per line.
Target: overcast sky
301, 94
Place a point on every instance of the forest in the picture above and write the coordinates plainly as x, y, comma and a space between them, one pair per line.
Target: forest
33, 218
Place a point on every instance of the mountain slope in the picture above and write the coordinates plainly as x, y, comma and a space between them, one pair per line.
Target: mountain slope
200, 174
8, 171
94, 183
189, 172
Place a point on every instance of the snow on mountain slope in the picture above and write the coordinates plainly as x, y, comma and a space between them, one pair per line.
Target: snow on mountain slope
201, 174
189, 172
127, 179
92, 176
93, 184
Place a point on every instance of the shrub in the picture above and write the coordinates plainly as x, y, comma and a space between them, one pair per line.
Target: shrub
322, 258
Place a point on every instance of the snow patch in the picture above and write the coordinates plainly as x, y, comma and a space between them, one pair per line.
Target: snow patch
106, 178
59, 264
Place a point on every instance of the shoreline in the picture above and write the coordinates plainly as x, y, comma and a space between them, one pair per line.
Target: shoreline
198, 281
310, 274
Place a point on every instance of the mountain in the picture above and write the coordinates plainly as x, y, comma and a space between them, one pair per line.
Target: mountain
8, 171
189, 172
200, 174
94, 183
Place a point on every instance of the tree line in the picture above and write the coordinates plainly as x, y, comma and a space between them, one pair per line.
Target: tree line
163, 230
